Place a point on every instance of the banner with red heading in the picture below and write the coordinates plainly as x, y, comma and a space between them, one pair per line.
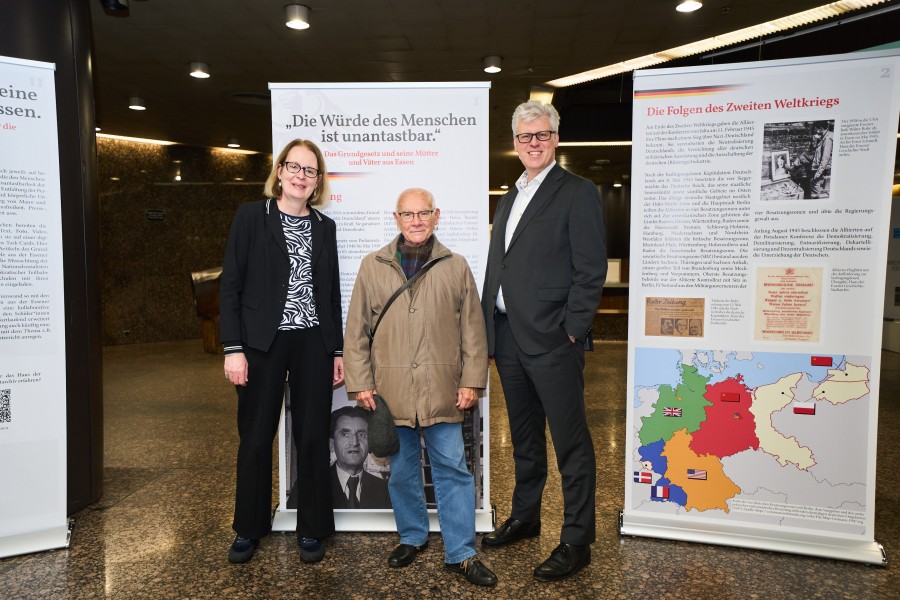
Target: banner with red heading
379, 139
32, 325
761, 202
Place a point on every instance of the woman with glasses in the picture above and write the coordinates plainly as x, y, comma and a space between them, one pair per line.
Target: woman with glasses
281, 317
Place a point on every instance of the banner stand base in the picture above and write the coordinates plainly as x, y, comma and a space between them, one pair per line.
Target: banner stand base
37, 541
372, 520
727, 535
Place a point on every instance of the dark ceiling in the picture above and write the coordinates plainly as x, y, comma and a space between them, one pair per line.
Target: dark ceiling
147, 52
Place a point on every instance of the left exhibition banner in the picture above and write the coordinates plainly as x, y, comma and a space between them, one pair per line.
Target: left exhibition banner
32, 326
379, 139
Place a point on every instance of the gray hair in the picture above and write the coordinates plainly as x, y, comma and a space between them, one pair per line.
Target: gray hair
534, 109
417, 191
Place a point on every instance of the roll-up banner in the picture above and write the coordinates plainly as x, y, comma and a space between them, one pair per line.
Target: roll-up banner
761, 202
379, 139
32, 325
891, 336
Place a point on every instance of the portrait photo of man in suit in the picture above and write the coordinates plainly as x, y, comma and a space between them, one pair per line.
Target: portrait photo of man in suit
351, 485
545, 272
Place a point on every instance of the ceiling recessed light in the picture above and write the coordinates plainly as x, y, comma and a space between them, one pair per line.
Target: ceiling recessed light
296, 16
689, 6
492, 64
135, 103
200, 70
233, 143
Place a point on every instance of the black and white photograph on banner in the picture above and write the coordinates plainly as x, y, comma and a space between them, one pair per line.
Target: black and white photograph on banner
780, 164
797, 160
359, 478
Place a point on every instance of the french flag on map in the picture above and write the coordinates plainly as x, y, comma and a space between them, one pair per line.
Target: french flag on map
804, 407
660, 492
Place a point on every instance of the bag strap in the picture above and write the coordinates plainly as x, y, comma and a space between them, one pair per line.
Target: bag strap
396, 295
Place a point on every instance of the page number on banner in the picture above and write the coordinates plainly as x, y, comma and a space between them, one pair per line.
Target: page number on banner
5, 407
885, 72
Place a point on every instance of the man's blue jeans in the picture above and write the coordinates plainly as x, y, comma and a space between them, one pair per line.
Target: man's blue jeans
454, 489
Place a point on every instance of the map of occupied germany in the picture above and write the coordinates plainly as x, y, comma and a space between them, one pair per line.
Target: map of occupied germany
724, 432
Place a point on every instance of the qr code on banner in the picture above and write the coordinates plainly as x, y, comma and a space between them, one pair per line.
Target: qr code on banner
5, 410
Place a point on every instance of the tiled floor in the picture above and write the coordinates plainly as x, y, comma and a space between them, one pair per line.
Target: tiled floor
162, 528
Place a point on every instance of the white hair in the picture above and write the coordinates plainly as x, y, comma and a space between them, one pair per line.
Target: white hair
534, 109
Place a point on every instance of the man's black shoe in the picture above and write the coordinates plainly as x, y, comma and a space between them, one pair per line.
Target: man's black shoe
511, 531
404, 554
475, 571
311, 549
242, 549
565, 560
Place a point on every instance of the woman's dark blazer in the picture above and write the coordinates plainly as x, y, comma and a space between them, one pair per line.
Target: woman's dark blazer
255, 276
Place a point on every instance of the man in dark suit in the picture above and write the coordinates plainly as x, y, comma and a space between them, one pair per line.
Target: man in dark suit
351, 485
545, 273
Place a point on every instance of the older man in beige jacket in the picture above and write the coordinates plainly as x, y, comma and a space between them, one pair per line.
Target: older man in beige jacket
428, 360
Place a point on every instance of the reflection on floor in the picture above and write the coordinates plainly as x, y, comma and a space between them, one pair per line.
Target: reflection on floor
163, 526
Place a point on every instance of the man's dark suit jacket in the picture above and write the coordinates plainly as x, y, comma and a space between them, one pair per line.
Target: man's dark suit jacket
554, 269
255, 273
372, 494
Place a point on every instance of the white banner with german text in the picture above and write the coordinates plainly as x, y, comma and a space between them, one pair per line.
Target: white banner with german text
761, 204
379, 139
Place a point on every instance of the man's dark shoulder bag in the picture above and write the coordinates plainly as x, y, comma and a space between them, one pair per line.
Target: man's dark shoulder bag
383, 440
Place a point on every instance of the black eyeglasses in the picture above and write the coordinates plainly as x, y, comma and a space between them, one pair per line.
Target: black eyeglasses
542, 136
310, 172
424, 215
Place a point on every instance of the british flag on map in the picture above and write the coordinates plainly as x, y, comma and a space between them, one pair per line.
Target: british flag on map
671, 412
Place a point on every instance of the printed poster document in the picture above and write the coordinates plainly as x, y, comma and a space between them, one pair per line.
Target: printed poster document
761, 201
379, 139
32, 326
